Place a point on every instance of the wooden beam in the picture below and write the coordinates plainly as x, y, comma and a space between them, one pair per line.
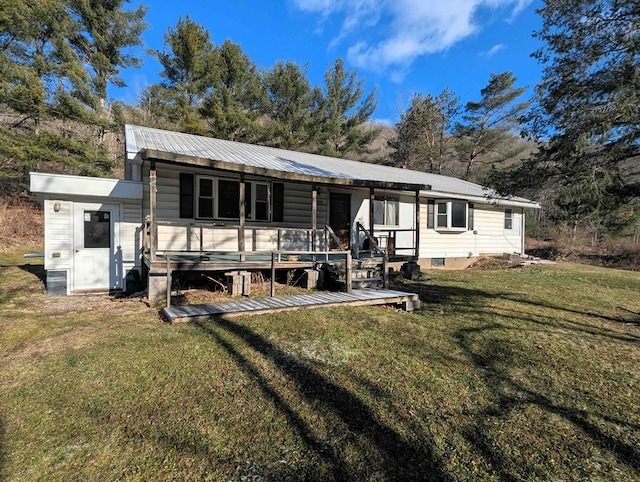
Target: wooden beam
314, 215
168, 281
372, 198
153, 216
241, 240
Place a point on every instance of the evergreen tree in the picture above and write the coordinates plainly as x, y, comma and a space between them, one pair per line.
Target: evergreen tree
488, 132
104, 35
587, 112
189, 63
287, 103
37, 61
232, 105
423, 140
342, 112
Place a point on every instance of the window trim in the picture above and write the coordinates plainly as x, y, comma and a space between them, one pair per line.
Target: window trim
448, 215
214, 192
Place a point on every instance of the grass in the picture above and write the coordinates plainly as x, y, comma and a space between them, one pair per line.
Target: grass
506, 374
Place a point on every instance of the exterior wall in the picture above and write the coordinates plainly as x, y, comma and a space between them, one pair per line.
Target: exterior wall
224, 237
487, 238
406, 220
58, 235
59, 230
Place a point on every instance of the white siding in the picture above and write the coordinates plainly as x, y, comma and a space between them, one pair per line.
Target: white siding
130, 234
488, 237
58, 234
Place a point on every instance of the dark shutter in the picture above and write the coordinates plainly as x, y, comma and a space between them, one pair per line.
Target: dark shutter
186, 195
277, 200
470, 224
431, 205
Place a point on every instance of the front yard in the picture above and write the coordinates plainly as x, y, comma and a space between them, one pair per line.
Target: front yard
505, 374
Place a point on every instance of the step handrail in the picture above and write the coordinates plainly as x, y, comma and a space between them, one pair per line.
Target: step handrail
374, 245
334, 236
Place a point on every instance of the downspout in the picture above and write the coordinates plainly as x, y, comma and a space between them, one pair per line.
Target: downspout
522, 233
417, 235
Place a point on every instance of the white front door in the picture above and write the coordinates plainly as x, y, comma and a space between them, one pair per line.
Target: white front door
97, 260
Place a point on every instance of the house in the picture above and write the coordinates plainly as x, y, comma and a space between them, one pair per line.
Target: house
196, 203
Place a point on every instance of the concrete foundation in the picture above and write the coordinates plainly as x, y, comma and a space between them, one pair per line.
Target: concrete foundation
157, 287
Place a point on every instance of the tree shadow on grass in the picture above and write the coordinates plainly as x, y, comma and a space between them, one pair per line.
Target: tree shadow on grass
510, 395
394, 457
472, 301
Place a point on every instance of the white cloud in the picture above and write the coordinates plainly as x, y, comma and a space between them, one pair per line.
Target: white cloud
493, 50
411, 28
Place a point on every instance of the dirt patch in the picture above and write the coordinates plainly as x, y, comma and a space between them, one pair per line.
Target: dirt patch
492, 263
87, 303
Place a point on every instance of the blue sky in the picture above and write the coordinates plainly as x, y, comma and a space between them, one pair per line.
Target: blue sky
402, 47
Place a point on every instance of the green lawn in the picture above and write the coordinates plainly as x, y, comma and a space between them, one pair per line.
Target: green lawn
526, 373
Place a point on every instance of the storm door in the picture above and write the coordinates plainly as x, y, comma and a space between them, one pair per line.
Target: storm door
97, 262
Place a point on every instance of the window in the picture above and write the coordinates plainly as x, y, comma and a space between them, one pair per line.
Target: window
220, 199
205, 197
261, 204
386, 211
97, 229
508, 219
451, 215
229, 199
186, 195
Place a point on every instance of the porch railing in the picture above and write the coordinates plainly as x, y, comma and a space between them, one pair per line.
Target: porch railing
386, 239
168, 236
278, 258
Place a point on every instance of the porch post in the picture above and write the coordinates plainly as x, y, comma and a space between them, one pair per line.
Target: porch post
417, 236
153, 216
241, 243
371, 215
314, 215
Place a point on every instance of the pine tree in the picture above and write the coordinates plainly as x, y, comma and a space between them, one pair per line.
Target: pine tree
587, 112
104, 34
342, 112
189, 63
423, 140
287, 103
491, 124
232, 105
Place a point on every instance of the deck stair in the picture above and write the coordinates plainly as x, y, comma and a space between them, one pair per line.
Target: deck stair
365, 273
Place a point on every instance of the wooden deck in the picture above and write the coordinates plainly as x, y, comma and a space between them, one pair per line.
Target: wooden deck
255, 306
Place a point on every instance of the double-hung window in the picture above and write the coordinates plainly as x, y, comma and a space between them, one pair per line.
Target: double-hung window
451, 215
205, 195
220, 199
508, 219
386, 211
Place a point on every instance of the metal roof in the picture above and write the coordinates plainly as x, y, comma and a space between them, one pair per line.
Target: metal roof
140, 139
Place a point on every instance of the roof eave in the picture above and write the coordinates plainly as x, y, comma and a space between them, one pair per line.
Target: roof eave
488, 199
173, 158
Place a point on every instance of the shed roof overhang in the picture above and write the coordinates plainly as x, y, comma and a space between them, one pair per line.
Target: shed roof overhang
83, 186
161, 156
